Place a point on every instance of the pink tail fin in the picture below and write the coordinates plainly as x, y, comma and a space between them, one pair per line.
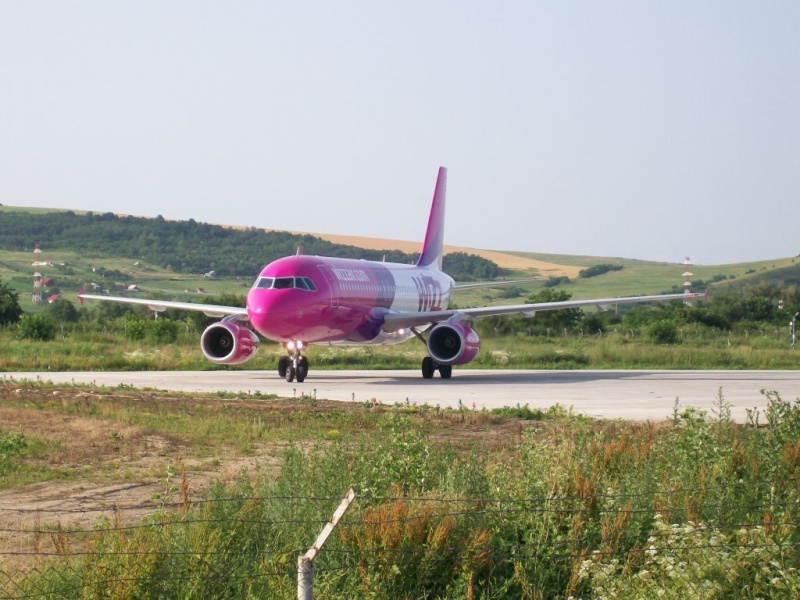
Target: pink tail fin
432, 247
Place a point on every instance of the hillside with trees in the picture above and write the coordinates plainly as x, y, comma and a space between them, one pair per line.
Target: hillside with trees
192, 247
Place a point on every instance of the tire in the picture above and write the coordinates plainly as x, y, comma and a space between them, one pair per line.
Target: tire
428, 368
446, 371
302, 369
290, 373
283, 364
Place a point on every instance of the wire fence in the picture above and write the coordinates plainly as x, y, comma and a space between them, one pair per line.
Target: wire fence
246, 546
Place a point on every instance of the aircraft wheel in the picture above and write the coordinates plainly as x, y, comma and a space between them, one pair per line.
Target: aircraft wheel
290, 373
446, 371
283, 364
302, 369
428, 369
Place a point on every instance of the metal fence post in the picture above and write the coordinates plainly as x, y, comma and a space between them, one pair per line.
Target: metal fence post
305, 578
305, 563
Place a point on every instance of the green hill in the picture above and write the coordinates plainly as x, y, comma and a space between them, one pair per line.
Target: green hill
169, 258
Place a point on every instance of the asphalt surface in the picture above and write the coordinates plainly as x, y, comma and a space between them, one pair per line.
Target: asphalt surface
632, 395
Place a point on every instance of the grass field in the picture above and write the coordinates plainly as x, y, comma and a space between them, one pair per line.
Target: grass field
105, 348
127, 493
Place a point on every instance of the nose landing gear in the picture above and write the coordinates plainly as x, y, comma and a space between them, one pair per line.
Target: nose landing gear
293, 366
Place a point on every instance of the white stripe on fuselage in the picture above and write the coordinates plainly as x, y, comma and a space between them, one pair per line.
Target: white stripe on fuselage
420, 290
415, 289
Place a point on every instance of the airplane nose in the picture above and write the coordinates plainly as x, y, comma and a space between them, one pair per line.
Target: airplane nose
260, 310
275, 314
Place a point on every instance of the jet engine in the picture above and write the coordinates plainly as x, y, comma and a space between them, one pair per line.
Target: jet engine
453, 343
227, 343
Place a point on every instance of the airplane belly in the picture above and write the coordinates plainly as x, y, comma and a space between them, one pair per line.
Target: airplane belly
333, 324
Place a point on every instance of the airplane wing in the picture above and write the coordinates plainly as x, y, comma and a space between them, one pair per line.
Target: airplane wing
395, 321
211, 310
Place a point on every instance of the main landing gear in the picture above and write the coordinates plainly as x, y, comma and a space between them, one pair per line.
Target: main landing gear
430, 366
293, 366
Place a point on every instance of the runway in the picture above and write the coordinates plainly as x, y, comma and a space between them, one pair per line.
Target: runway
634, 395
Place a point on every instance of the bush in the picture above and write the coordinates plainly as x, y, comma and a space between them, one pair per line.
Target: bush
10, 311
37, 327
63, 311
135, 328
162, 331
598, 270
12, 444
663, 332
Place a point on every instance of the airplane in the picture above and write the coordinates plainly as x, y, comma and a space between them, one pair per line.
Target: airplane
300, 300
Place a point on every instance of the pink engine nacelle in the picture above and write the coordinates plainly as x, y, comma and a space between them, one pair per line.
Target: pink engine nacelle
227, 343
453, 344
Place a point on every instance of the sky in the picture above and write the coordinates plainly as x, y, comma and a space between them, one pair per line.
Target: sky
637, 129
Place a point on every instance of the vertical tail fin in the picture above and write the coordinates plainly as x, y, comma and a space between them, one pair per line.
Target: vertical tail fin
432, 248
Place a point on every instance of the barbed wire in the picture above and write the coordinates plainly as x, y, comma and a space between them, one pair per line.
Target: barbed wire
18, 577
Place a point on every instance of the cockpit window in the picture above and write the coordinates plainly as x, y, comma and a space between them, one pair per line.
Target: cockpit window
265, 282
282, 283
285, 283
307, 284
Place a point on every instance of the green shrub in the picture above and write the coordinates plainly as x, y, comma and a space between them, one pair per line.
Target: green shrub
37, 327
10, 310
135, 328
663, 332
63, 311
12, 444
162, 331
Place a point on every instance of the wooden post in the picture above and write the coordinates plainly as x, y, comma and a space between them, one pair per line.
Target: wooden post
305, 563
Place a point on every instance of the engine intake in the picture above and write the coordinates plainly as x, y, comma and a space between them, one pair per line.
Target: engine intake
453, 344
227, 343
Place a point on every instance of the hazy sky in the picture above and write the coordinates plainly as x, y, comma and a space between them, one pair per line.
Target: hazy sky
638, 129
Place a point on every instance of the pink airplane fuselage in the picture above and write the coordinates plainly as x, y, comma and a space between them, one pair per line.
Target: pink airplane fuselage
349, 302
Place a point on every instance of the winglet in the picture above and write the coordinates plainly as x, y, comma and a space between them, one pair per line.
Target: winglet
432, 248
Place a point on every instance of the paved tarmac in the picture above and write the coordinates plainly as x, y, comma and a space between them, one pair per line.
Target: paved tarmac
634, 395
